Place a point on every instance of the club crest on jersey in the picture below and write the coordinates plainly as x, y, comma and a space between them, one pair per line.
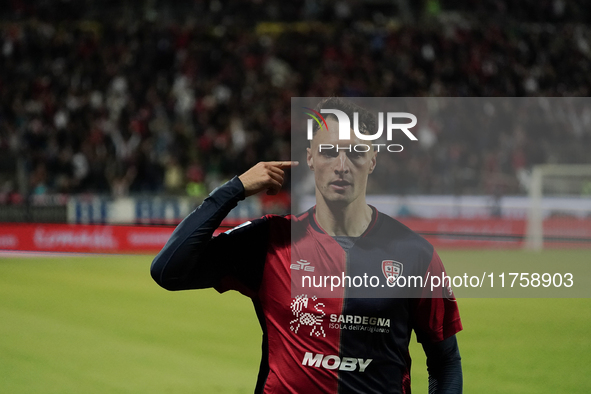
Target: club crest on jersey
391, 269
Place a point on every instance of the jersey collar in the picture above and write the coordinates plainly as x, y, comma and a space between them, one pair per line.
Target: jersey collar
316, 226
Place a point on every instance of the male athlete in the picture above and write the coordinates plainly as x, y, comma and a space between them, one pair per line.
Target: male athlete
345, 342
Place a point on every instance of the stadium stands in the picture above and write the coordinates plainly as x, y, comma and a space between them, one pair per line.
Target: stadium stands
115, 98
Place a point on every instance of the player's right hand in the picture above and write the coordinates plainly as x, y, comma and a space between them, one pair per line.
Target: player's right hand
265, 176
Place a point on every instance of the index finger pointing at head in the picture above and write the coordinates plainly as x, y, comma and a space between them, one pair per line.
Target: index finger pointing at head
285, 164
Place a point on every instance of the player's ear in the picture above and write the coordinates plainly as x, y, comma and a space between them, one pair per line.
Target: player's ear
309, 158
374, 162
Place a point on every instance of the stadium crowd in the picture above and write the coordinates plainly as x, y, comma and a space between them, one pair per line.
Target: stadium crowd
141, 104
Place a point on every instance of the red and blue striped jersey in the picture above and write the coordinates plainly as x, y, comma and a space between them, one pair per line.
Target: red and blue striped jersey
316, 341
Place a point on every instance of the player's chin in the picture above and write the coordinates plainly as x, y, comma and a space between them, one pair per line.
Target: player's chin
340, 197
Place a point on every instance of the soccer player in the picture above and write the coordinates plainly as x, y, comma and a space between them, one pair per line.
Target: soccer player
314, 342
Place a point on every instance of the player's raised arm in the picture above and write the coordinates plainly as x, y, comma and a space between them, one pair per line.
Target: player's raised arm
192, 259
265, 176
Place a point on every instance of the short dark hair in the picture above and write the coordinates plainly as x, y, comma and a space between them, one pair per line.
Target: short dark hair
367, 121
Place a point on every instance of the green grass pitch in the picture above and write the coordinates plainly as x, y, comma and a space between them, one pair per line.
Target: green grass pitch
100, 325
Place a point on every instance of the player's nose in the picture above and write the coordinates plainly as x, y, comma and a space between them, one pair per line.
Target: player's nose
342, 166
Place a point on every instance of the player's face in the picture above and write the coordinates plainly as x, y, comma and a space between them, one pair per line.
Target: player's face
340, 175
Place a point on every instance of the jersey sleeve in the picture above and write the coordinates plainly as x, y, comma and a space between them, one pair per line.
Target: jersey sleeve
444, 365
242, 252
436, 315
193, 259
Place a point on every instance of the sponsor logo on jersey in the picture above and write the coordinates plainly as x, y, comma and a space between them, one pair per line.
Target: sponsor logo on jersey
312, 321
303, 265
309, 319
335, 362
354, 319
391, 270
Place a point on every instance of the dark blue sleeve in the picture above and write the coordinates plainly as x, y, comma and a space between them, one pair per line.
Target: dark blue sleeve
192, 259
444, 366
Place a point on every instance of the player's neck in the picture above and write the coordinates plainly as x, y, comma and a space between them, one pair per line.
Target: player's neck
351, 220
